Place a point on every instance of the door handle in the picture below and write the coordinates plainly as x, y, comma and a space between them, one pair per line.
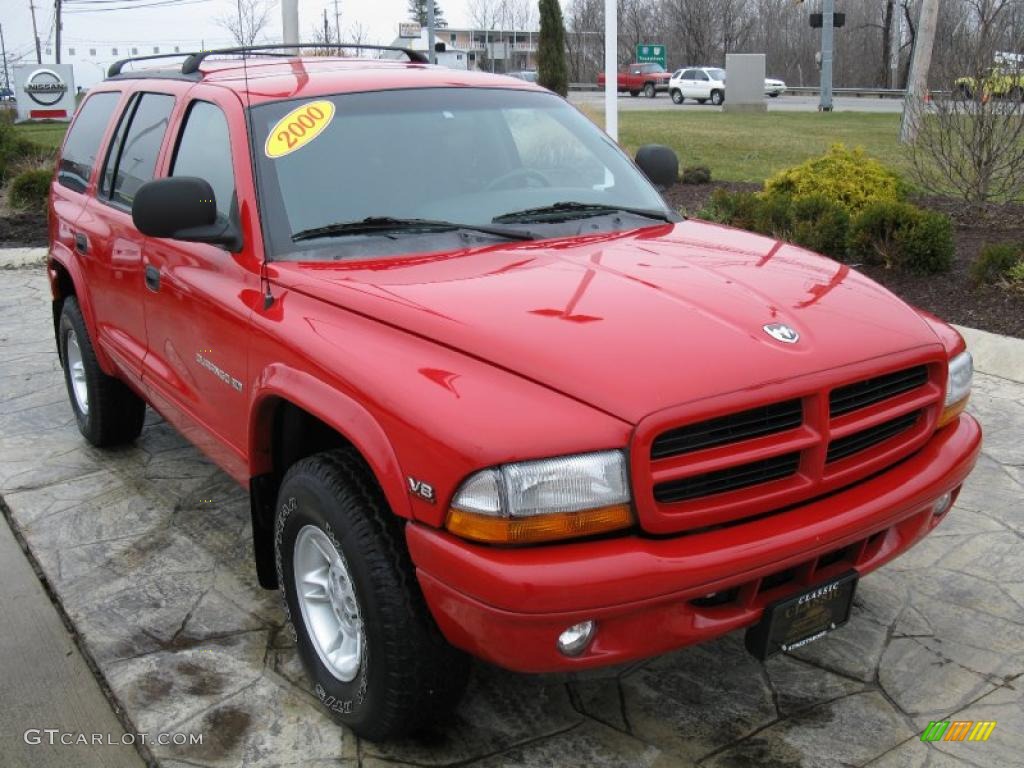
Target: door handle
152, 278
81, 242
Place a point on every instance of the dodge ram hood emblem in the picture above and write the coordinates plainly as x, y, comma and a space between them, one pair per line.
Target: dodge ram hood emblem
782, 332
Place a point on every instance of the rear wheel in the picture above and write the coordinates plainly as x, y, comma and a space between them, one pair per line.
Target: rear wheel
677, 96
107, 411
649, 91
376, 660
717, 97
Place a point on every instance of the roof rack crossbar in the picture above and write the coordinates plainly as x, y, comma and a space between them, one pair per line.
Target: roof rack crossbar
191, 64
117, 66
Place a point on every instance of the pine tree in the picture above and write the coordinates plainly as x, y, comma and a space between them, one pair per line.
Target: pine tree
418, 12
552, 71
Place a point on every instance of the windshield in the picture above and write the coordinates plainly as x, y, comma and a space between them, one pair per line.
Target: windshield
648, 68
460, 155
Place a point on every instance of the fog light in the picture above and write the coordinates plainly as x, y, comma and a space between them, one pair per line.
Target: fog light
942, 504
574, 640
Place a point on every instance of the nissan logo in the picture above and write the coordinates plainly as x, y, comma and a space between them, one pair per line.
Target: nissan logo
45, 87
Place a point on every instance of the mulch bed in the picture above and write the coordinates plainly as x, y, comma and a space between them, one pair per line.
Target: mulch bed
950, 296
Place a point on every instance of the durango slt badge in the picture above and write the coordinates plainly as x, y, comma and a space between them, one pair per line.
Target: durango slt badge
782, 332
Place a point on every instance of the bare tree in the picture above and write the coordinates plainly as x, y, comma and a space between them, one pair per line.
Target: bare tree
971, 138
247, 23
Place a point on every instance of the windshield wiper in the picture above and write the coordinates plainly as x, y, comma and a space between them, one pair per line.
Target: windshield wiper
383, 224
568, 210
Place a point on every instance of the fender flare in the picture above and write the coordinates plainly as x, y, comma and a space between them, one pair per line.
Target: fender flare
280, 382
74, 271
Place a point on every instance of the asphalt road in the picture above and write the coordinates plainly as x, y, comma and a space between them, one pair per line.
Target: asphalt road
785, 103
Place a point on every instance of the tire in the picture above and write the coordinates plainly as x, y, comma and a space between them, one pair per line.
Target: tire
649, 90
702, 101
634, 94
774, 94
717, 97
398, 674
677, 96
107, 411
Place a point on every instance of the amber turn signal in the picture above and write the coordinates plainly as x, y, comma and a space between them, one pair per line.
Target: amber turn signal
951, 412
537, 528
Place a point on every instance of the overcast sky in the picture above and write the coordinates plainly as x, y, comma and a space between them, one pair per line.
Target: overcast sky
192, 23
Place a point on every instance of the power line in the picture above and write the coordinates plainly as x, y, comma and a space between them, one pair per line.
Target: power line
140, 6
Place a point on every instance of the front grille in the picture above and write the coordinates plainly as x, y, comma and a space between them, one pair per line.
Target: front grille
756, 422
731, 479
870, 391
860, 441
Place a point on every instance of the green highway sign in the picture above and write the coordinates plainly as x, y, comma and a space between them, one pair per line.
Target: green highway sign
651, 52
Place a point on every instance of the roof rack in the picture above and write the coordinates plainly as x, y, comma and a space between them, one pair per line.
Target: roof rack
193, 59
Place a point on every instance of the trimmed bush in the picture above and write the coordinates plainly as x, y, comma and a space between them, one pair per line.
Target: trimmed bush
29, 189
902, 236
696, 174
848, 178
995, 262
820, 225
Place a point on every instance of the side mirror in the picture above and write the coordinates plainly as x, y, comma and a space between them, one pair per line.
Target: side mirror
183, 208
659, 163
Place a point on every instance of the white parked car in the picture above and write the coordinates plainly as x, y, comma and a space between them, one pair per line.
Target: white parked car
701, 83
774, 87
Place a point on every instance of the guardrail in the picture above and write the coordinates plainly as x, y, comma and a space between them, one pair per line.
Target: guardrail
895, 93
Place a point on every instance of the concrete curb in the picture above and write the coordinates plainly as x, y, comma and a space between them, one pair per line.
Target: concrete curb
1001, 356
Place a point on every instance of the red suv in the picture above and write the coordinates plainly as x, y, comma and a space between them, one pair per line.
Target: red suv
489, 394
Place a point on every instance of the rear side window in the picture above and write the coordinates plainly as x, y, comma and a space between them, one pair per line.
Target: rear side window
83, 142
135, 157
204, 150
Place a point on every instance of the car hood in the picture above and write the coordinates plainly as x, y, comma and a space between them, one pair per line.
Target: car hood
630, 323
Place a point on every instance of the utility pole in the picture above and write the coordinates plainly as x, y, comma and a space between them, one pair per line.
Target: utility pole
828, 8
35, 33
290, 22
3, 52
896, 42
431, 53
337, 21
327, 29
920, 63
611, 69
57, 26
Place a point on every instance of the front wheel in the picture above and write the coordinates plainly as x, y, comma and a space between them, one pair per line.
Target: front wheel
717, 97
377, 662
677, 96
649, 91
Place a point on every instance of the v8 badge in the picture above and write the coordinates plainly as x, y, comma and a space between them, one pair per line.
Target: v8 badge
419, 488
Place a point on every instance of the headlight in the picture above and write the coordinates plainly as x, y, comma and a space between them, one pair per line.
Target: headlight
535, 501
958, 387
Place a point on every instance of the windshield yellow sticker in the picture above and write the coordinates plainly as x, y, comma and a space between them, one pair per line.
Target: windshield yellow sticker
299, 127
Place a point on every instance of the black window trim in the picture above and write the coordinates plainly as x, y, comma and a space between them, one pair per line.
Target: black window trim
131, 107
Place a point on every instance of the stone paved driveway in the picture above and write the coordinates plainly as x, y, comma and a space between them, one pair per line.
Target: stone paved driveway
148, 550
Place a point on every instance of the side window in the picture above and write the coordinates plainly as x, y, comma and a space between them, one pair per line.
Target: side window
688, 75
136, 157
109, 165
204, 150
83, 142
702, 75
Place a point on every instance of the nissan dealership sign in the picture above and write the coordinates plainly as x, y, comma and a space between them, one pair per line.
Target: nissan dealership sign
44, 91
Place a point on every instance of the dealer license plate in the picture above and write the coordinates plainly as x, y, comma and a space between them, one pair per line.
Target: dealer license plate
796, 621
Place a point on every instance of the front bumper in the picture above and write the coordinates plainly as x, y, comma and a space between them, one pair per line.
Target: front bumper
652, 595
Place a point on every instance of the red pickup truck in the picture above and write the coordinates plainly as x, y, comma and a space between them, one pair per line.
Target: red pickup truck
635, 79
524, 411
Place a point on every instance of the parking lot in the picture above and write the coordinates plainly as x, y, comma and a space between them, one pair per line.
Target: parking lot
147, 551
785, 103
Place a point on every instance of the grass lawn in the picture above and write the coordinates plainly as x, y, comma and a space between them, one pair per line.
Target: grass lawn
47, 135
740, 147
